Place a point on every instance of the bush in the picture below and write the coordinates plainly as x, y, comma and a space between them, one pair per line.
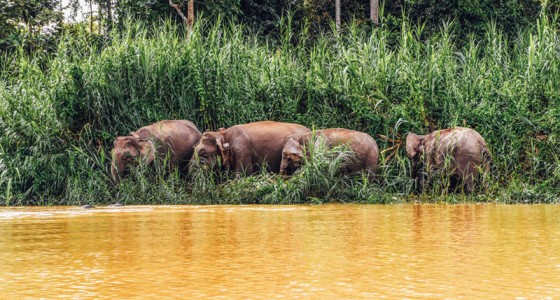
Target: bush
60, 113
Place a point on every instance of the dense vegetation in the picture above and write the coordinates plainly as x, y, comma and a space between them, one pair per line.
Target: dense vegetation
37, 25
59, 112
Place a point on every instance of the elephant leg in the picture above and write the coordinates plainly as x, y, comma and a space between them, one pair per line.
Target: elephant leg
469, 184
244, 165
421, 180
371, 167
455, 183
370, 175
469, 176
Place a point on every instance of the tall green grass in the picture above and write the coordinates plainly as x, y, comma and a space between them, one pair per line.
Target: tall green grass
60, 113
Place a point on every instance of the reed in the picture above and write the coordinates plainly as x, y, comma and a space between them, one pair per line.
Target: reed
59, 113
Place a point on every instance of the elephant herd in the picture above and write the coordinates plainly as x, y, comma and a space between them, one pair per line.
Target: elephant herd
281, 148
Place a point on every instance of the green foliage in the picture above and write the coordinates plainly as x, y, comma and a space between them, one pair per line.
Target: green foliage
29, 23
263, 16
150, 11
59, 114
317, 181
467, 17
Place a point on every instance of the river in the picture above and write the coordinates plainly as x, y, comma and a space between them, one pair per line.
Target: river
264, 252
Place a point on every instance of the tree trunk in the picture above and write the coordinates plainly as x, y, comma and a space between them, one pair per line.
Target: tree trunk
190, 14
99, 14
109, 15
181, 14
337, 14
90, 16
374, 11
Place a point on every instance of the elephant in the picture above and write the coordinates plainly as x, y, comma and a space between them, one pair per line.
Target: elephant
459, 152
366, 152
245, 148
169, 139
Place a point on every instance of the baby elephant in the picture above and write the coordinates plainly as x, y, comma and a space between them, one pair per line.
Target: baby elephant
366, 153
460, 152
170, 139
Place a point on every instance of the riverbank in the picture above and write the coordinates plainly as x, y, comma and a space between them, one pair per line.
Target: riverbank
60, 113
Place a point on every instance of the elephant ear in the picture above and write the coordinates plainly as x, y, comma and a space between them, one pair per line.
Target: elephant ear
413, 144
147, 150
293, 147
225, 149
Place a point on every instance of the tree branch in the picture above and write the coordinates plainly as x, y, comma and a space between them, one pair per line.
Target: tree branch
178, 9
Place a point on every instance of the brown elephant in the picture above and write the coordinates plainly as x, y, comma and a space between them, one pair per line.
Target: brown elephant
459, 152
366, 153
244, 148
171, 140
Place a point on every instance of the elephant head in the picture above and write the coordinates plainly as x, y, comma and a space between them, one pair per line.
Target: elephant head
292, 157
415, 150
414, 146
129, 151
212, 145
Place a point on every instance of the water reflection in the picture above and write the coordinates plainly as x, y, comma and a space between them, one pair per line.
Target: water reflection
330, 251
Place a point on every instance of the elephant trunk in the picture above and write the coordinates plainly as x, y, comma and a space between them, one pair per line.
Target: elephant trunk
418, 173
114, 174
194, 163
283, 168
116, 170
288, 169
414, 170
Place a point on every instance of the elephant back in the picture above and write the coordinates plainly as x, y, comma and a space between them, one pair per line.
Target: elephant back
172, 138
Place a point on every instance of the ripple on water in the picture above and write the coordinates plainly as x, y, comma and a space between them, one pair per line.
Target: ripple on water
264, 208
266, 252
14, 213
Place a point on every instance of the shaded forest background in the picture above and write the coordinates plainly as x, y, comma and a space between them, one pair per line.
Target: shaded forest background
37, 25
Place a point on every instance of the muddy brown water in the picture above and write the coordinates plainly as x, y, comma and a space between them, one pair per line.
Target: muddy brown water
265, 252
